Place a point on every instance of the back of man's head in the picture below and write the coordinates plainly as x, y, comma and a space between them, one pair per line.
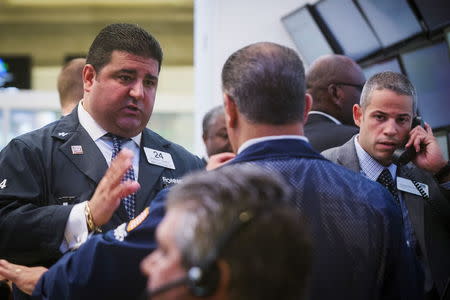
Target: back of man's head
329, 72
70, 84
123, 37
267, 83
269, 257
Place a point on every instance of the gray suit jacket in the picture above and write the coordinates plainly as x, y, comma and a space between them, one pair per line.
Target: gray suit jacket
430, 219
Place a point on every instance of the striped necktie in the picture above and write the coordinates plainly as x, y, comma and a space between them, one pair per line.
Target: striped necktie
385, 179
130, 200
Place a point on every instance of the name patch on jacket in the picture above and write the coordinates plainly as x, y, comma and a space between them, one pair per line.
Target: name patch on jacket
138, 220
159, 158
406, 185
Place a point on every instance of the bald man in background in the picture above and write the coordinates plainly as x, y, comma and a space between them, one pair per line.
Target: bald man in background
335, 83
70, 84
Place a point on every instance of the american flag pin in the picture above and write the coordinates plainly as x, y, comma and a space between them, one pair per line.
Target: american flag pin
77, 149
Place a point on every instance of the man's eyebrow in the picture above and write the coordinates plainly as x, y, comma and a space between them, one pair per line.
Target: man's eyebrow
379, 112
152, 77
133, 72
385, 113
129, 71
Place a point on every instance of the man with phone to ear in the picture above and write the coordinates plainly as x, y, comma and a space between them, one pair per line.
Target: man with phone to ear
385, 114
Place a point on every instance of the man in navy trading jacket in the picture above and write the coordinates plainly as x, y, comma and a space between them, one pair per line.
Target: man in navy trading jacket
359, 251
48, 177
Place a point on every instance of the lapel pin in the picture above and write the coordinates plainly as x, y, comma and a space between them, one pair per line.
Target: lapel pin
77, 149
63, 134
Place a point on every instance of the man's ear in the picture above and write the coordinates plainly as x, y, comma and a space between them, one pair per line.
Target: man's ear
357, 114
337, 94
88, 77
223, 288
231, 112
308, 104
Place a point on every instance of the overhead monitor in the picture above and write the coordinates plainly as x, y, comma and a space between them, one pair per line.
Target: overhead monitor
348, 27
386, 65
15, 71
435, 13
306, 34
392, 21
429, 70
442, 137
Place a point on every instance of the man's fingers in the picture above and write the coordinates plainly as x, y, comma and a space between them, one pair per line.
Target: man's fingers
9, 271
126, 188
218, 160
111, 189
119, 167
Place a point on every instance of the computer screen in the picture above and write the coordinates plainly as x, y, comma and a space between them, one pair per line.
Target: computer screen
392, 21
15, 71
306, 34
435, 13
429, 71
349, 28
386, 65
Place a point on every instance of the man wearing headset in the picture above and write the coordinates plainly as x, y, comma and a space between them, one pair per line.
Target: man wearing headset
239, 234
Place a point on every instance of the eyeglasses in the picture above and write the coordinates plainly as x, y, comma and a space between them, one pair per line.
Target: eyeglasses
357, 86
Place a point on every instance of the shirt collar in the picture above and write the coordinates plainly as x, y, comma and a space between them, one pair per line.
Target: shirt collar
251, 142
94, 130
369, 166
315, 112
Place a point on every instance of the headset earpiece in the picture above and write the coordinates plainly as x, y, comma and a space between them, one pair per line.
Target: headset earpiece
203, 281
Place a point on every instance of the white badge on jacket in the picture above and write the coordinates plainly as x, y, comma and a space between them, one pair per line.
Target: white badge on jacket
406, 185
159, 158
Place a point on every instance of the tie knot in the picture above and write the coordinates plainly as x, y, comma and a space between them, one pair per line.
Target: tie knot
117, 142
385, 177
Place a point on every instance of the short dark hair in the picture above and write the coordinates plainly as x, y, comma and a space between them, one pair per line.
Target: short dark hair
273, 250
210, 117
393, 81
267, 83
123, 37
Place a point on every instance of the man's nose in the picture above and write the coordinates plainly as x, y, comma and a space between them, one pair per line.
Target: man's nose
390, 127
137, 90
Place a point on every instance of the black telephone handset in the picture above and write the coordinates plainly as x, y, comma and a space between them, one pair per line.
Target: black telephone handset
402, 156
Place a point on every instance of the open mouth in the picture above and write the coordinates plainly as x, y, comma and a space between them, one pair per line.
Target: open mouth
131, 109
388, 145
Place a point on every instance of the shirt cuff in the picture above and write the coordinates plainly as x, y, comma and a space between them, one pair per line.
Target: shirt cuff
76, 232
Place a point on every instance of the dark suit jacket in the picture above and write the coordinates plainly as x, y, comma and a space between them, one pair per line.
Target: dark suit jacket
42, 173
323, 133
359, 250
430, 219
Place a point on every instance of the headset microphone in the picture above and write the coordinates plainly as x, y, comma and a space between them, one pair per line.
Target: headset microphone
148, 294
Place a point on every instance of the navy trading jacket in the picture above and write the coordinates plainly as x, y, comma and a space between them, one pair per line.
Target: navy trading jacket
106, 266
359, 251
